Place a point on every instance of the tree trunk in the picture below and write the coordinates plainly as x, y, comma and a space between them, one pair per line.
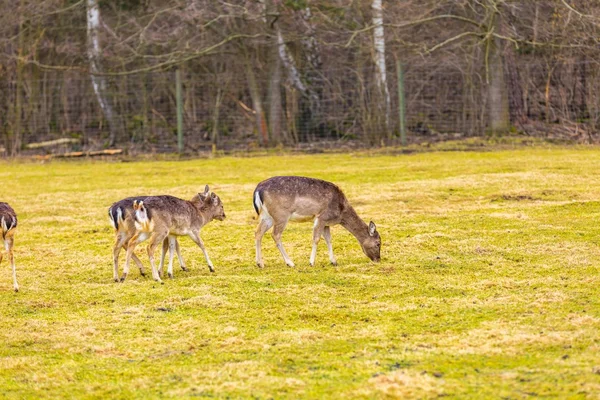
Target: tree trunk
275, 109
94, 56
497, 93
259, 114
381, 73
313, 77
516, 101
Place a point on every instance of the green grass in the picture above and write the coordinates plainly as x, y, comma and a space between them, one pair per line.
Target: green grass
489, 285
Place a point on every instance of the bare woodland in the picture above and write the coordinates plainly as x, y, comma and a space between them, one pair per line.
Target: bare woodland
94, 74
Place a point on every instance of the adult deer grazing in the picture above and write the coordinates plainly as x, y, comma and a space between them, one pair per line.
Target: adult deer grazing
281, 199
157, 217
8, 227
121, 215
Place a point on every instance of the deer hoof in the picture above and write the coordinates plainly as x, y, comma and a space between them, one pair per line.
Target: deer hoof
260, 265
171, 276
123, 277
184, 269
16, 289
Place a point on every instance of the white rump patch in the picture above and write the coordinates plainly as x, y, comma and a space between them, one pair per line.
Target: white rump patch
119, 221
142, 223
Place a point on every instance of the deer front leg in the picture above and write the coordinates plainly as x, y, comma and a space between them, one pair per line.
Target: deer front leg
196, 238
277, 232
317, 231
264, 225
156, 239
327, 237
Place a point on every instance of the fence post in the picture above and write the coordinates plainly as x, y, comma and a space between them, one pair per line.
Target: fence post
179, 100
401, 102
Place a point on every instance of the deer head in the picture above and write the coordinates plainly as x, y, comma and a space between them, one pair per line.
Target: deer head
209, 203
372, 244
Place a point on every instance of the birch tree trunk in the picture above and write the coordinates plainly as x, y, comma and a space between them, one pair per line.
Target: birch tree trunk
381, 74
307, 96
94, 56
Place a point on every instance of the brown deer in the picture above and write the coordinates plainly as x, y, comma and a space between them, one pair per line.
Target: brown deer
8, 227
121, 215
158, 217
281, 199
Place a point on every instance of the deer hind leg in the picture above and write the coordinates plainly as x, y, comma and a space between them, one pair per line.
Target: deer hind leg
196, 238
165, 247
178, 250
8, 246
156, 239
327, 237
8, 243
138, 262
121, 242
277, 232
266, 222
172, 244
133, 242
318, 230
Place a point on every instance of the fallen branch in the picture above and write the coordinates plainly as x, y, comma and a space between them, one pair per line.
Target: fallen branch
109, 152
51, 143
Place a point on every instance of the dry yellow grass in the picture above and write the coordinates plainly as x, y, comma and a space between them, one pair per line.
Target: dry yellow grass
488, 287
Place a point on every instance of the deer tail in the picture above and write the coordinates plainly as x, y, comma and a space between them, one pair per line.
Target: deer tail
258, 200
116, 216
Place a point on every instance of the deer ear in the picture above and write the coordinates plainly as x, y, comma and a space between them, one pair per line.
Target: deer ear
214, 198
372, 228
206, 190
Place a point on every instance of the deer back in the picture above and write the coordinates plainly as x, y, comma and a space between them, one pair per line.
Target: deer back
299, 198
169, 213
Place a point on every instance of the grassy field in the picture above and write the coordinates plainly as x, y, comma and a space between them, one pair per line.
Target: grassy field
489, 285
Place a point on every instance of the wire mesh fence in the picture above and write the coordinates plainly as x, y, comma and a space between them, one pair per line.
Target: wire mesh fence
49, 111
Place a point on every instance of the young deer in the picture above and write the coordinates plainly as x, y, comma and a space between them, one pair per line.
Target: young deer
121, 215
8, 227
294, 198
158, 217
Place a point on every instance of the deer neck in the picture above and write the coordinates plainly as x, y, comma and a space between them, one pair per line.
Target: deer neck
202, 214
354, 224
